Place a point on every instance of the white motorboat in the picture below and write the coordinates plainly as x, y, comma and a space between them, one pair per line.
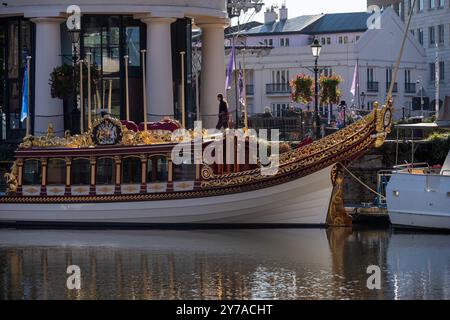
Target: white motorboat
418, 196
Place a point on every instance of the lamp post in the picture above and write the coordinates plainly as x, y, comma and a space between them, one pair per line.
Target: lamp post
75, 39
316, 49
419, 84
363, 99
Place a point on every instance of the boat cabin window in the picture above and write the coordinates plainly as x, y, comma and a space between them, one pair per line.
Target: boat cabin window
32, 173
105, 172
56, 172
157, 169
184, 172
81, 172
131, 170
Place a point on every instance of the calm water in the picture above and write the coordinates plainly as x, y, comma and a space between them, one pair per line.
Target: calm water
237, 264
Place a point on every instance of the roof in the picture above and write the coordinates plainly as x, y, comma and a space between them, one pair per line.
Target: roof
284, 26
338, 23
315, 24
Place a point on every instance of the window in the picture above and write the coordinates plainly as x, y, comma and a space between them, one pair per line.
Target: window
284, 42
323, 41
279, 109
407, 76
420, 35
420, 5
357, 38
441, 3
432, 72
432, 4
327, 72
341, 40
370, 75
409, 6
131, 170
432, 35
328, 40
32, 173
185, 171
388, 75
346, 39
105, 172
56, 172
157, 169
441, 34
81, 172
442, 70
268, 42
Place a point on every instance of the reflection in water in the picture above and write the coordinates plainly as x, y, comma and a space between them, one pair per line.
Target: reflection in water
214, 264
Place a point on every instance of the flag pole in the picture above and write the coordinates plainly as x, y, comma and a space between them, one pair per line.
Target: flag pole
110, 97
144, 87
183, 94
244, 89
437, 81
127, 96
81, 62
28, 130
89, 91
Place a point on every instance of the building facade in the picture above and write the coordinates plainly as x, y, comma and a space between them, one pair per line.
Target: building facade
345, 41
110, 30
430, 25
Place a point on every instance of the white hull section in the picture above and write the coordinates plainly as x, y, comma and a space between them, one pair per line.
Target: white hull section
419, 201
303, 201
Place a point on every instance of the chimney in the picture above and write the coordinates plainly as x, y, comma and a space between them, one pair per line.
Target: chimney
270, 16
283, 12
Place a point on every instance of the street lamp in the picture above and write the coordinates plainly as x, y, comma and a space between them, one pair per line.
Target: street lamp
74, 35
363, 99
316, 48
419, 84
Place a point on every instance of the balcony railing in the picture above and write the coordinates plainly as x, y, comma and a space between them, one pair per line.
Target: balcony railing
250, 89
388, 86
372, 86
278, 88
410, 88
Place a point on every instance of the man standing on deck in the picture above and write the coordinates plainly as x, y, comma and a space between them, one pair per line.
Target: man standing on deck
223, 113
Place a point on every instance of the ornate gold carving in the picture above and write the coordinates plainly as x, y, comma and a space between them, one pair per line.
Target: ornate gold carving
11, 179
55, 190
344, 144
383, 122
337, 216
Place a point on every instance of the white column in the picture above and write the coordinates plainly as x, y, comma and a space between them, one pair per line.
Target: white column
48, 56
213, 71
159, 68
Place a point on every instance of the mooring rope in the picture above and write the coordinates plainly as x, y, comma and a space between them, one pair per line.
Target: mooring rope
362, 183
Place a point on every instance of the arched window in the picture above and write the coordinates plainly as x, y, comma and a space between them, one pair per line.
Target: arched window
105, 172
32, 173
157, 169
81, 172
56, 172
131, 170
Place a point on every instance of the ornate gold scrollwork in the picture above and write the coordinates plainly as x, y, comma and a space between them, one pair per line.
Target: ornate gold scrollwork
11, 179
337, 215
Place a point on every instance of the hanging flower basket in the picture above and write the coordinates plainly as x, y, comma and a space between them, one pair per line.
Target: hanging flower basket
302, 89
329, 89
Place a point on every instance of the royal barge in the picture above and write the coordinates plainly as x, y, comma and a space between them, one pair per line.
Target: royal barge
120, 174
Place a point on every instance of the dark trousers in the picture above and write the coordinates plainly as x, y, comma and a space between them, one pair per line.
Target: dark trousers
223, 121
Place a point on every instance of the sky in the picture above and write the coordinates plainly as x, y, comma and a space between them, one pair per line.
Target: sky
306, 7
